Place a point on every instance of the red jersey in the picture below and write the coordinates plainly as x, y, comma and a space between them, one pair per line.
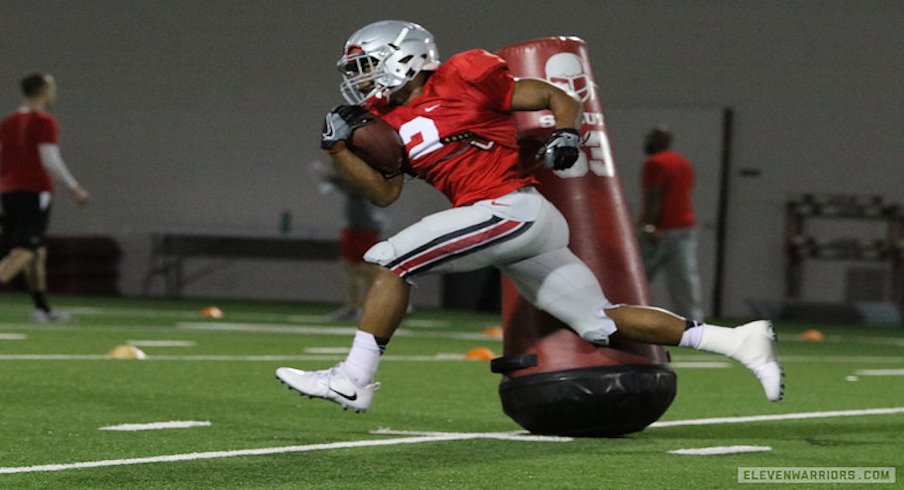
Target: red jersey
460, 133
675, 175
20, 163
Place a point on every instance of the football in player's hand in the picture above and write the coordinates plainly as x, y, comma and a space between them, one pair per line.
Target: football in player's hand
379, 145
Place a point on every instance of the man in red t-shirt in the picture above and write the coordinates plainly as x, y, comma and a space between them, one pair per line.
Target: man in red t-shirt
29, 155
668, 234
456, 121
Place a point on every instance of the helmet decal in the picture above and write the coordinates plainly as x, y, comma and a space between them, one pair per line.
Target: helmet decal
566, 70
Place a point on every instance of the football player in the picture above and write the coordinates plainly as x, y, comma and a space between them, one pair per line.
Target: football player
456, 121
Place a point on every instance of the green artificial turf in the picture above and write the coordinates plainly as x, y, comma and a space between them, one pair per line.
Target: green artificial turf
52, 408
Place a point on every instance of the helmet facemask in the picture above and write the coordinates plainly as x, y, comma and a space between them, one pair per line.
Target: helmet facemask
366, 75
381, 58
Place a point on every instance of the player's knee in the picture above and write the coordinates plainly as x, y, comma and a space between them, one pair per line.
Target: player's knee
380, 254
384, 278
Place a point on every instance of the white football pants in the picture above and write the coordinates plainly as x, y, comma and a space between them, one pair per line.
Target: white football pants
523, 235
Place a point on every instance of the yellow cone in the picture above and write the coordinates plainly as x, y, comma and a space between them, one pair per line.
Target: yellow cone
126, 352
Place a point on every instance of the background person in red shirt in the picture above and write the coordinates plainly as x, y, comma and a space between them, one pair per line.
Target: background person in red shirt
29, 154
668, 233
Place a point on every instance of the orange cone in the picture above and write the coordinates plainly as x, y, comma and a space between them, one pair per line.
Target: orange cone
211, 312
493, 331
480, 354
812, 335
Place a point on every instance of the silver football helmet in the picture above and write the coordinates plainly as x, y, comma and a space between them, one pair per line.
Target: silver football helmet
382, 57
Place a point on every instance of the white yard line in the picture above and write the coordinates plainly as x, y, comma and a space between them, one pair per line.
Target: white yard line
708, 451
326, 350
161, 343
323, 330
881, 372
180, 314
268, 328
260, 358
307, 318
314, 354
188, 314
807, 359
172, 424
423, 323
504, 436
141, 312
270, 450
333, 354
52, 357
780, 416
700, 364
408, 322
420, 437
842, 359
13, 336
327, 329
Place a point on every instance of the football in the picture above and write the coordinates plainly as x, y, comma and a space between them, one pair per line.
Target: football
379, 145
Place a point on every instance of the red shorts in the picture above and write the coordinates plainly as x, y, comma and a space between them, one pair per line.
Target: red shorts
353, 243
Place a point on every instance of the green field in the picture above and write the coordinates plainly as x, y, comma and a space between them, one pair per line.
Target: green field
57, 389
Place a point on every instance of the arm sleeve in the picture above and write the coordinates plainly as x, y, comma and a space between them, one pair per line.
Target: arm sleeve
53, 162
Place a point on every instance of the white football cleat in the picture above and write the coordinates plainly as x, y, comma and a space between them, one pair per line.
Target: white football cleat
756, 351
331, 384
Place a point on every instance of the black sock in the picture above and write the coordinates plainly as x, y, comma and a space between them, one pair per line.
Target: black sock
382, 342
689, 324
40, 300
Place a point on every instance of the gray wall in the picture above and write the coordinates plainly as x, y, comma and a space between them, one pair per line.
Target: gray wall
204, 114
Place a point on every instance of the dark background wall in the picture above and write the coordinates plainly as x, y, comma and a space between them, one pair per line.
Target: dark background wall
206, 114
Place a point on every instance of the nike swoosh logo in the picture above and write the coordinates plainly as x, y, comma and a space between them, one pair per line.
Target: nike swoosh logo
351, 398
431, 108
329, 129
494, 203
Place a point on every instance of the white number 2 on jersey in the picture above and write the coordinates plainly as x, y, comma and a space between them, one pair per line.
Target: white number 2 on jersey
420, 136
